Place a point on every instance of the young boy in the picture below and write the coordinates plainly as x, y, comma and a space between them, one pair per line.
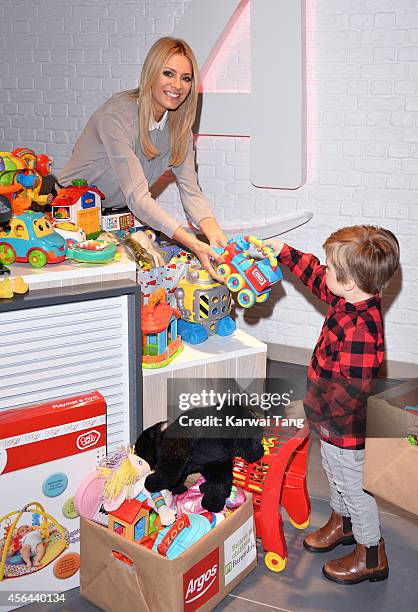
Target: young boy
360, 261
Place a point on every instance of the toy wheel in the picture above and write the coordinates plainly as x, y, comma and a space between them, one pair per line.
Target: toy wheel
300, 525
37, 258
260, 299
235, 282
5, 209
275, 562
7, 254
224, 270
246, 298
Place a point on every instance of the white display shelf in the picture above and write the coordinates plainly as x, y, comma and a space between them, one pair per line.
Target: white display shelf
213, 350
70, 273
236, 357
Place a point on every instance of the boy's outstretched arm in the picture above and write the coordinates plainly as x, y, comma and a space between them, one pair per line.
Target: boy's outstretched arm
305, 266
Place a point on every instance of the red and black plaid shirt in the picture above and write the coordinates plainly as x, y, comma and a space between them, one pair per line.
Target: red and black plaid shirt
346, 358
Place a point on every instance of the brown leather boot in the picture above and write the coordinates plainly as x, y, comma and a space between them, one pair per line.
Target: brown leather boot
338, 530
363, 563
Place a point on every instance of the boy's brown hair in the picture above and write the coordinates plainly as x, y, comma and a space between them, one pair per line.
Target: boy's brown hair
366, 254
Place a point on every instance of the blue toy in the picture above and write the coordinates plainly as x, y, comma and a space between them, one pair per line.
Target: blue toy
31, 237
251, 279
172, 541
204, 305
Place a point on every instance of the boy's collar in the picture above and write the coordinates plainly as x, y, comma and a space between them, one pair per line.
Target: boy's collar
342, 304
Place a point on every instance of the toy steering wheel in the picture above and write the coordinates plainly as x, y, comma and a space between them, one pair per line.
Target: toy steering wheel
265, 249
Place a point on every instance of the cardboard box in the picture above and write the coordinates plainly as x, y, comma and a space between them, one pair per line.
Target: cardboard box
196, 580
45, 451
391, 462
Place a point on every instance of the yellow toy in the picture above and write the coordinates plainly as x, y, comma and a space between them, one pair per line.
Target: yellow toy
204, 305
40, 166
10, 286
125, 475
121, 479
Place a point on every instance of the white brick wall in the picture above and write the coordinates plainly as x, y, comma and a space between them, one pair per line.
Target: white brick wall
61, 58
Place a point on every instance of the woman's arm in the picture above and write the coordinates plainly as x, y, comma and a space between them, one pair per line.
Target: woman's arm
117, 138
195, 204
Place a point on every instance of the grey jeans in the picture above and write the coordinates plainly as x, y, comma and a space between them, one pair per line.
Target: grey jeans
344, 470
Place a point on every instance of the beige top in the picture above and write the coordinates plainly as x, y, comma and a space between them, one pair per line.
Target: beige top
108, 154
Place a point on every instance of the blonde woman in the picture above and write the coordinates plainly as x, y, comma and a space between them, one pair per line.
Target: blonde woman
135, 136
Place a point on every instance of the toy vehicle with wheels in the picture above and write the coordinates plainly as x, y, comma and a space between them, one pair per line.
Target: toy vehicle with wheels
204, 305
277, 480
251, 279
31, 238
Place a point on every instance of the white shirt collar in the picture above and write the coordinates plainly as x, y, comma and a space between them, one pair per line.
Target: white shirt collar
158, 125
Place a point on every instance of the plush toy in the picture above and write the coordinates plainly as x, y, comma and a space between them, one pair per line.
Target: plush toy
190, 502
179, 450
125, 476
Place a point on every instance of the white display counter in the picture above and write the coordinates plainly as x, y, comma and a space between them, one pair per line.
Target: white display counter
239, 356
70, 273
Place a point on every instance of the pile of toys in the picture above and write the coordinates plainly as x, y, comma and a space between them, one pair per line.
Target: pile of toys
21, 179
41, 229
115, 496
202, 306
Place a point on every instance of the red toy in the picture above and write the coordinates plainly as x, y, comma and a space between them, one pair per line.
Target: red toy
160, 340
80, 204
251, 279
40, 166
130, 520
277, 479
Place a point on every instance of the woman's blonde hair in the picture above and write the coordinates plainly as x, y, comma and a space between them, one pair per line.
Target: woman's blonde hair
180, 120
366, 254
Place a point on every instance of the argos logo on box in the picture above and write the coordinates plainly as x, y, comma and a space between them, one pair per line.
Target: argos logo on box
201, 582
88, 439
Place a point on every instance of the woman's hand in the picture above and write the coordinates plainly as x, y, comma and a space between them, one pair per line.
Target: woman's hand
213, 232
202, 251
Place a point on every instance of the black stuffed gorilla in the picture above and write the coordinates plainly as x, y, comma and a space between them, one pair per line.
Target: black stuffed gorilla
179, 450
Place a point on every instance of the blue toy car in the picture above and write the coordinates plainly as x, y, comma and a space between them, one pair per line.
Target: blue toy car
251, 279
31, 238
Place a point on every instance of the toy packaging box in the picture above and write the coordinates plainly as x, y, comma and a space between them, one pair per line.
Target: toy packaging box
117, 574
165, 277
390, 467
45, 451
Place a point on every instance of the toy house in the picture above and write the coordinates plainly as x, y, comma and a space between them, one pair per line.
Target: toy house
130, 520
81, 204
161, 342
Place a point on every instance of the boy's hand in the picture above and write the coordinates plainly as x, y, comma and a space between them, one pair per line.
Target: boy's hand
295, 410
276, 245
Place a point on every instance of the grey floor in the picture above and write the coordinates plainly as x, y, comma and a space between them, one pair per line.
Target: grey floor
301, 587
